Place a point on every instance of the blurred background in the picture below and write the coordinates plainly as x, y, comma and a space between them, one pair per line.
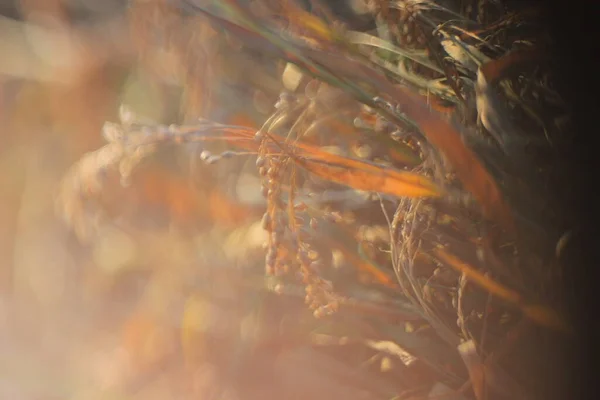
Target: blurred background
102, 318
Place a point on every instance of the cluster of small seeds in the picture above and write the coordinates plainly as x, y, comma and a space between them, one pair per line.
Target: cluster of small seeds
319, 293
411, 34
289, 252
270, 169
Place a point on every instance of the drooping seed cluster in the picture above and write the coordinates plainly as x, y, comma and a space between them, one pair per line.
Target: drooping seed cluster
291, 253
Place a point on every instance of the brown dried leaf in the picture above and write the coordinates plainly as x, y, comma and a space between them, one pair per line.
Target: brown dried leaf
448, 140
494, 70
540, 314
367, 177
360, 174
